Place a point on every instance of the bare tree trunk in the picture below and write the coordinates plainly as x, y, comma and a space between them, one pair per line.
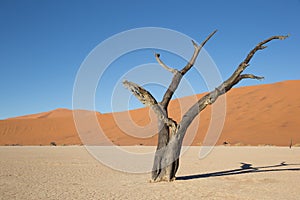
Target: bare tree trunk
160, 170
163, 139
166, 161
171, 133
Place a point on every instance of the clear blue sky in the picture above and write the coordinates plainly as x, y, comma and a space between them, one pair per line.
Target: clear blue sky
44, 42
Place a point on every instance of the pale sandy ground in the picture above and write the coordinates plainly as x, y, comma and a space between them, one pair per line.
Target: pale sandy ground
72, 173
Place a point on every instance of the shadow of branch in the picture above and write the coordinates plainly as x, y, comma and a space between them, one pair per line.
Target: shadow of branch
245, 168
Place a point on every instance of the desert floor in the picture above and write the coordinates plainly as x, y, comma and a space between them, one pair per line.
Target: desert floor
226, 173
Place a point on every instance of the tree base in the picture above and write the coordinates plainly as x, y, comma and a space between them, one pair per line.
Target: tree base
162, 180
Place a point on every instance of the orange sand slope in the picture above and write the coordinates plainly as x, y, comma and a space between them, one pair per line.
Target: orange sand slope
255, 115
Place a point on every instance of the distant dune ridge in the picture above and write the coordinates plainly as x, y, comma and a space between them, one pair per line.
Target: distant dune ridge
255, 115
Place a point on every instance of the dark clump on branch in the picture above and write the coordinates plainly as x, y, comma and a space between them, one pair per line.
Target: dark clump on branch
171, 133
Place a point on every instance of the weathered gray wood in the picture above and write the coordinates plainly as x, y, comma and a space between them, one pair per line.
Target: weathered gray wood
171, 133
170, 69
178, 74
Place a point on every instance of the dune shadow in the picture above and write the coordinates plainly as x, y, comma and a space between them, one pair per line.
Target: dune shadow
245, 168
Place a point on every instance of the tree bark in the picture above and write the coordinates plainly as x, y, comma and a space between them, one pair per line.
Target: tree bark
171, 133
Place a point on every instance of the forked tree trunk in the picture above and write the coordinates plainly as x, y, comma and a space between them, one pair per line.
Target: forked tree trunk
171, 133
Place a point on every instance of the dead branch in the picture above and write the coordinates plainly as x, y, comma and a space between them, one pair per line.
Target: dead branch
178, 76
196, 53
147, 99
234, 79
164, 65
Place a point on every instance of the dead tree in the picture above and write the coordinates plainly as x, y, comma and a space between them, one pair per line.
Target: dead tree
171, 133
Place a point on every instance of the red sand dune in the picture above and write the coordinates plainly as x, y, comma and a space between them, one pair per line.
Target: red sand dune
255, 115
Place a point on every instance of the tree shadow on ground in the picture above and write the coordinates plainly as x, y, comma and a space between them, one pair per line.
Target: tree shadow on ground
245, 168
